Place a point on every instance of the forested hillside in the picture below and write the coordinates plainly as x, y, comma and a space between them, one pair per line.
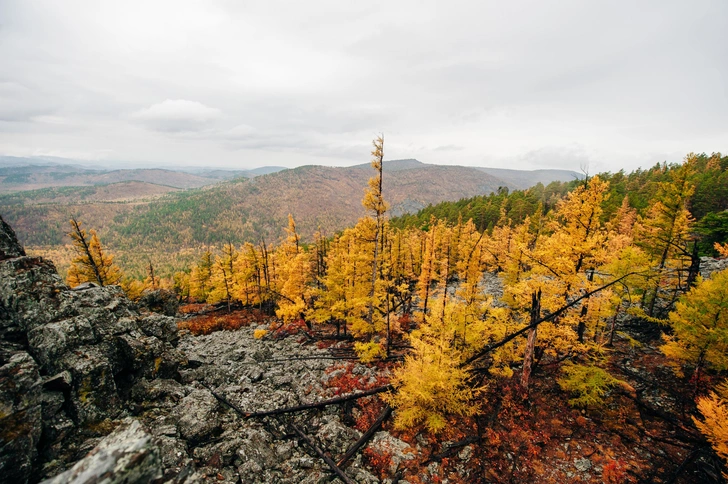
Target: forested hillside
707, 204
239, 210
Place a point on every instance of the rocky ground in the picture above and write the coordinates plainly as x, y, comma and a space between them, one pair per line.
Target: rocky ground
199, 434
92, 389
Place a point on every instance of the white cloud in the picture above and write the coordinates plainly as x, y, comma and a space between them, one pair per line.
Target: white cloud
177, 115
50, 119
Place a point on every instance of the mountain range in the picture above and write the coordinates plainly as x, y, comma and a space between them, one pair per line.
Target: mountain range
22, 174
174, 208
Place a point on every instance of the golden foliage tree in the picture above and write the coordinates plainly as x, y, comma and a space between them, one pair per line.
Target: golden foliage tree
551, 261
714, 424
700, 326
92, 262
373, 201
223, 278
664, 233
200, 276
294, 275
431, 384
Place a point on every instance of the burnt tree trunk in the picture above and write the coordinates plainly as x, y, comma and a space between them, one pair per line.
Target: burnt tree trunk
531, 341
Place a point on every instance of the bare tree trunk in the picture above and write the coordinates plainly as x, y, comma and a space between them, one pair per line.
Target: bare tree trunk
694, 269
531, 341
614, 326
581, 328
389, 334
151, 274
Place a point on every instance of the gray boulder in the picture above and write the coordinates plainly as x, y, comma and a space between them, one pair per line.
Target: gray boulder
159, 326
20, 416
200, 418
126, 455
9, 246
159, 301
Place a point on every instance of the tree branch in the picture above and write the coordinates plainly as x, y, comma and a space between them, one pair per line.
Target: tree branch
551, 316
321, 454
299, 408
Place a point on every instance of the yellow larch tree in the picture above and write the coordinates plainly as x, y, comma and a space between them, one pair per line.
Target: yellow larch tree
700, 326
545, 272
373, 201
92, 262
714, 422
223, 278
200, 276
248, 283
664, 233
293, 275
431, 384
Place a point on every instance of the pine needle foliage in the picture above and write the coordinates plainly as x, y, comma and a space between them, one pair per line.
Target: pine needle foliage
588, 383
431, 385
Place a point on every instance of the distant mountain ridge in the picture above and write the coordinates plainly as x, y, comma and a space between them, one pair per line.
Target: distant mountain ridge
515, 179
21, 174
242, 209
522, 179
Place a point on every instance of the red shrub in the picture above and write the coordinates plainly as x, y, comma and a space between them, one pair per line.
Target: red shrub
208, 323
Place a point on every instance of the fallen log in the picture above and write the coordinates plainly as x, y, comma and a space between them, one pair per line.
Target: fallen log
321, 454
298, 408
301, 358
365, 438
452, 448
685, 463
224, 400
489, 348
322, 403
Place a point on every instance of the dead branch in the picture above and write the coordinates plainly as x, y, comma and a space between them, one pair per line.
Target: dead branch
549, 317
323, 403
299, 408
450, 450
300, 358
365, 438
321, 454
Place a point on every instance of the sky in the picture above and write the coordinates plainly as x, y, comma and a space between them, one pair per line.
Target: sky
587, 86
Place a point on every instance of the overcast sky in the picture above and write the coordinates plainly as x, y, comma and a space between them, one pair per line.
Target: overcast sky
558, 84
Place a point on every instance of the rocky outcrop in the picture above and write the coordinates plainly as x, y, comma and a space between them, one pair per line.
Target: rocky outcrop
21, 412
9, 246
67, 360
709, 265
